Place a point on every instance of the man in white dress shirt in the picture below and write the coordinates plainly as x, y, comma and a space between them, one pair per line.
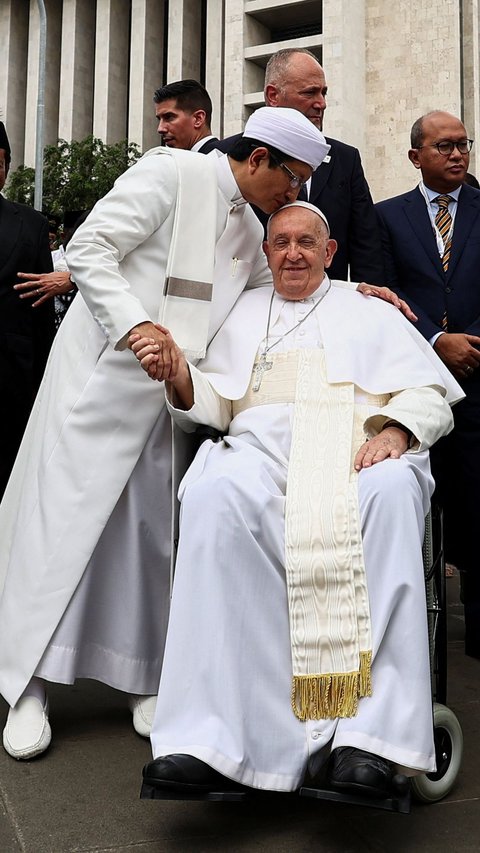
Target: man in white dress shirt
300, 564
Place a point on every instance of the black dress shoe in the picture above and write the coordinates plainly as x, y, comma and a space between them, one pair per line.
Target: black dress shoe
185, 773
354, 770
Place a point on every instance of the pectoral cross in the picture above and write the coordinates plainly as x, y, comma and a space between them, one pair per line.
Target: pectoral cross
259, 369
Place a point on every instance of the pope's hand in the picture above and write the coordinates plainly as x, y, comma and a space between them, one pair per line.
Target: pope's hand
388, 296
388, 444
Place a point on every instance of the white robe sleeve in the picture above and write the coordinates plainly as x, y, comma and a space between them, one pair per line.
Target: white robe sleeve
126, 217
209, 408
424, 411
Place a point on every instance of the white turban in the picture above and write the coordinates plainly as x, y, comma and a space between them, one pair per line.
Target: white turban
307, 206
289, 131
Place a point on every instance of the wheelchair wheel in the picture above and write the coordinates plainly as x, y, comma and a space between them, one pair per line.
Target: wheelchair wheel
431, 787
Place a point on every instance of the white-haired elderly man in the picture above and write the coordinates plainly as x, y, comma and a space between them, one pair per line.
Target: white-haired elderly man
298, 621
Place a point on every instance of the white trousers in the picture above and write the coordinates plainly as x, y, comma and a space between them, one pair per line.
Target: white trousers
225, 686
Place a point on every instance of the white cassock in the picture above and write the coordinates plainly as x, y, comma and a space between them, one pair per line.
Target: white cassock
225, 689
85, 524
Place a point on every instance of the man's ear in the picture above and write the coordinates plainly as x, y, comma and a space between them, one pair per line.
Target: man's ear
199, 117
266, 248
413, 157
271, 95
330, 250
257, 157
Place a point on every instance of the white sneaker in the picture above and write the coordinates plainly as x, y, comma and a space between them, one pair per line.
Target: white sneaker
27, 732
143, 710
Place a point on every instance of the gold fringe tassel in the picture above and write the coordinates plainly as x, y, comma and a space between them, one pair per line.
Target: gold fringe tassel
365, 687
327, 697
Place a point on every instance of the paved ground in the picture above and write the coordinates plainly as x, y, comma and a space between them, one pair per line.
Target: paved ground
83, 795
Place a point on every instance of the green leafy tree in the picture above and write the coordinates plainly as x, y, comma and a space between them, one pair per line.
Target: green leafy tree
75, 174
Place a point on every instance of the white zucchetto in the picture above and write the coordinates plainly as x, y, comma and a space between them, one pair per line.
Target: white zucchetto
307, 206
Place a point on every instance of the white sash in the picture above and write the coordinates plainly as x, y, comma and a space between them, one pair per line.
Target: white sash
188, 288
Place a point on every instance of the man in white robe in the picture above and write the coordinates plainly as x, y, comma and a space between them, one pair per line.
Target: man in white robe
85, 522
224, 712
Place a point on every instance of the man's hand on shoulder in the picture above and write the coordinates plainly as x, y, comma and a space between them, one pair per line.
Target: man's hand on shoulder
388, 296
460, 352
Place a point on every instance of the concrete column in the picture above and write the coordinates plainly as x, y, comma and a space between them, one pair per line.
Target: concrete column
215, 62
471, 77
184, 40
52, 77
77, 67
146, 70
13, 74
236, 40
111, 70
413, 66
344, 65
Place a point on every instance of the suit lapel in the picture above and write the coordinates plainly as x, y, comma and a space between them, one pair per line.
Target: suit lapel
467, 212
319, 179
417, 215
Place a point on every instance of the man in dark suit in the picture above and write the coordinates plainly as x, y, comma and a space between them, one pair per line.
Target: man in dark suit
431, 248
294, 78
26, 333
184, 113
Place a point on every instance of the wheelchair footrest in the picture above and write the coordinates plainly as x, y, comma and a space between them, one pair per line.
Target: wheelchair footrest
400, 800
149, 792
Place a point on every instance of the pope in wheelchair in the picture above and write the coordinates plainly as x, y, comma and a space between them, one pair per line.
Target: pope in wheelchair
297, 645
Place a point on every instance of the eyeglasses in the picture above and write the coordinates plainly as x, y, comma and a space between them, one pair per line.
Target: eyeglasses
296, 183
447, 146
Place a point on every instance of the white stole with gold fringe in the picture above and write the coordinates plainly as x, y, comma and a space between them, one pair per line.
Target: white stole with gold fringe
327, 591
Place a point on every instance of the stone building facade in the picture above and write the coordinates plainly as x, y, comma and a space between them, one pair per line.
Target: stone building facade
386, 64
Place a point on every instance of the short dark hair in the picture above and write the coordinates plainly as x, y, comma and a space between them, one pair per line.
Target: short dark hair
190, 95
416, 133
244, 146
5, 145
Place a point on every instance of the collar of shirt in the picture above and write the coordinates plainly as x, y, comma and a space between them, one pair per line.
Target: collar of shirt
201, 142
226, 181
319, 293
430, 197
287, 312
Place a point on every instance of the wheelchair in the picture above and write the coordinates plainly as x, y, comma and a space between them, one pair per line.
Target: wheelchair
448, 737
